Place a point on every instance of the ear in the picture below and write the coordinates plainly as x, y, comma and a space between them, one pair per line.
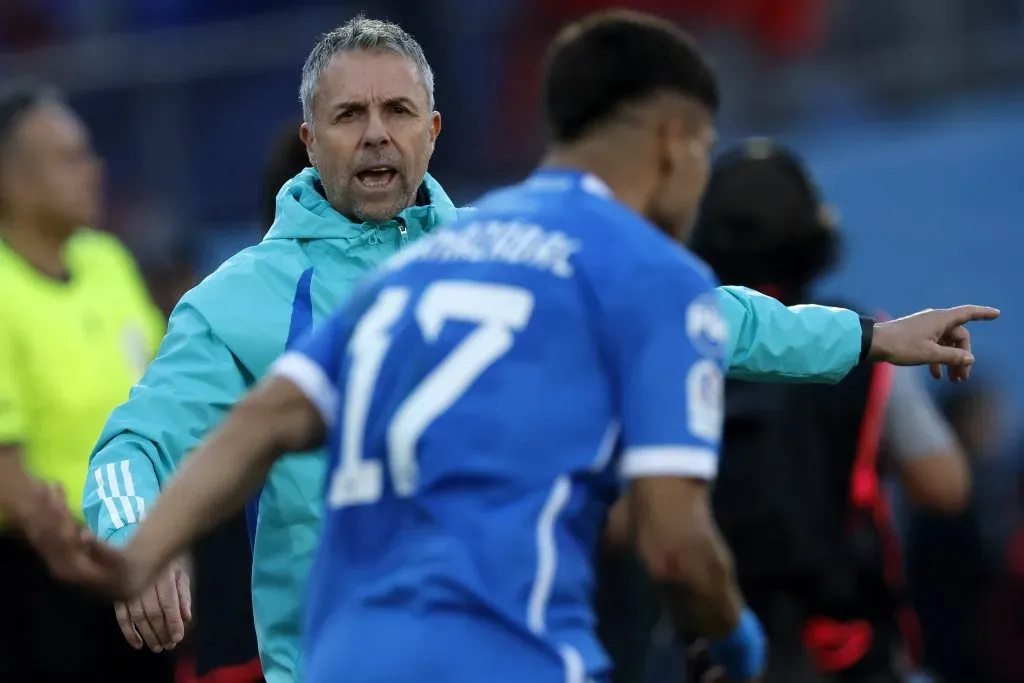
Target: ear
435, 127
668, 136
306, 135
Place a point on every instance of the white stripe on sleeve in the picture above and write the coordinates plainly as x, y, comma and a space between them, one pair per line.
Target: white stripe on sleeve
692, 462
115, 493
312, 381
108, 502
129, 489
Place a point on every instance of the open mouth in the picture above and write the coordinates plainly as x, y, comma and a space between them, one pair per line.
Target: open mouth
377, 177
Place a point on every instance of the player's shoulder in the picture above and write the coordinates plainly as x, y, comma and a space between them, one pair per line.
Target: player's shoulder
637, 251
577, 206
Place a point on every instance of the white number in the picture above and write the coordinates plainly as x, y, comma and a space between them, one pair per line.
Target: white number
498, 312
357, 481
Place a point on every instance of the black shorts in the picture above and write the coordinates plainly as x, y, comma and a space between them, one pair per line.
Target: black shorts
52, 633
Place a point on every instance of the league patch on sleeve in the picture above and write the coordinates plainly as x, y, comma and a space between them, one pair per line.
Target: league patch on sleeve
705, 400
706, 327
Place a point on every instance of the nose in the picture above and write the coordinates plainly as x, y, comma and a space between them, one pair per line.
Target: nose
376, 133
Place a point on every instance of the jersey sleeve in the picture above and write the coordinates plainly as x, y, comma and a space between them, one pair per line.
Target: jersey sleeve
668, 344
12, 406
314, 363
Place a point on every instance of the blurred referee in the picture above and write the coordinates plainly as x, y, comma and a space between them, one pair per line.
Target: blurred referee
77, 329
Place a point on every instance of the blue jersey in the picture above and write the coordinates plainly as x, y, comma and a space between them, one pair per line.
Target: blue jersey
486, 393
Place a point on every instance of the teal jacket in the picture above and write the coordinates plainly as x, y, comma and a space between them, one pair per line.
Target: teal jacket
225, 333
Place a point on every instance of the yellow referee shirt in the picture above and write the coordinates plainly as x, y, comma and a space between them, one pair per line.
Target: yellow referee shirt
69, 353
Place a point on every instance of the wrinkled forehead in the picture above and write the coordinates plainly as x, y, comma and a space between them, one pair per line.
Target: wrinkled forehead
371, 77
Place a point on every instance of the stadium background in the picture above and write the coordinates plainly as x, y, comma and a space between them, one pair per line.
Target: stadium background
909, 112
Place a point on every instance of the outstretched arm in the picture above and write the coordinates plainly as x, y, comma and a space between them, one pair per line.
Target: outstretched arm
771, 342
287, 412
276, 418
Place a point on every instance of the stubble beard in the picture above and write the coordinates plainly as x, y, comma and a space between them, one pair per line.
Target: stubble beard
347, 203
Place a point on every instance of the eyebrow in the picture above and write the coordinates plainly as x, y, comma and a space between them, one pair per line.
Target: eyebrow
362, 104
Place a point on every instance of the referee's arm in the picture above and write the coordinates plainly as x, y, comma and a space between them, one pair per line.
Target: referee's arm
20, 493
15, 484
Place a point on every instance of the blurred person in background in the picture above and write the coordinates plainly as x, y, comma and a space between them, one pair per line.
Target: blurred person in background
77, 329
799, 495
369, 128
957, 565
172, 276
287, 159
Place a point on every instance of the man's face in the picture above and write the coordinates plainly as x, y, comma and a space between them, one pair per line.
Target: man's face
372, 135
686, 166
54, 174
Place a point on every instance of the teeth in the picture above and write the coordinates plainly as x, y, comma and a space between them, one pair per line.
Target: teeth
375, 181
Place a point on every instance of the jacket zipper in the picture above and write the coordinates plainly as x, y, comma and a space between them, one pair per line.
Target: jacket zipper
403, 233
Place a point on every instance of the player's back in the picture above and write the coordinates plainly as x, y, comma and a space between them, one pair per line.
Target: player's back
475, 444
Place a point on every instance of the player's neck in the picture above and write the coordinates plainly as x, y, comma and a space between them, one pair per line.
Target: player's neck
41, 247
605, 162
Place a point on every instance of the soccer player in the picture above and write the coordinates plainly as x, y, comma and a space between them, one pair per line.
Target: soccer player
77, 329
485, 393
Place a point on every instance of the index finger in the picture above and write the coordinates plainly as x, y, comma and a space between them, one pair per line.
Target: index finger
960, 315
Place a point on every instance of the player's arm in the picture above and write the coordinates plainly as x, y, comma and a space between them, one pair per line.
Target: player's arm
686, 555
287, 412
668, 341
771, 342
184, 393
930, 460
224, 472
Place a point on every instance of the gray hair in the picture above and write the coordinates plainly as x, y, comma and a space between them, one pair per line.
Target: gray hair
360, 33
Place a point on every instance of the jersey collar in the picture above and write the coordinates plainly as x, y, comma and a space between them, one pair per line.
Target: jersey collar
566, 178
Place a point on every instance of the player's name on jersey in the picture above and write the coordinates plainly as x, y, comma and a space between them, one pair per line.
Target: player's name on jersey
512, 242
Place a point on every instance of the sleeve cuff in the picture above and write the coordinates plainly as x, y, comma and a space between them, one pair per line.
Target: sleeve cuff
312, 381
867, 335
690, 462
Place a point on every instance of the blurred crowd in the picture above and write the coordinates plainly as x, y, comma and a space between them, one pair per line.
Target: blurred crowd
175, 89
193, 106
